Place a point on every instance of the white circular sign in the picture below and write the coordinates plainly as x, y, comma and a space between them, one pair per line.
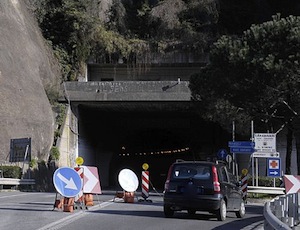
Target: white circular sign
128, 180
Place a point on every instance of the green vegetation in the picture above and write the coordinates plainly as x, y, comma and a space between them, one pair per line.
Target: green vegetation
255, 77
54, 153
79, 30
11, 171
33, 163
131, 30
266, 181
261, 196
253, 73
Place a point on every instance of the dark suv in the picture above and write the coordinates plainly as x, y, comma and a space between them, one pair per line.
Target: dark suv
202, 186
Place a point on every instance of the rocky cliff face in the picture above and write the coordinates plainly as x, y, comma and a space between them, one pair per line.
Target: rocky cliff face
26, 70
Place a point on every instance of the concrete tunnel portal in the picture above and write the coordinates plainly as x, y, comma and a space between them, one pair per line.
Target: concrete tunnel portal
123, 124
118, 135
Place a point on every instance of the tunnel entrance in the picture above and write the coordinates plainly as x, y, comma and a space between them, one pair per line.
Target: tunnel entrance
126, 135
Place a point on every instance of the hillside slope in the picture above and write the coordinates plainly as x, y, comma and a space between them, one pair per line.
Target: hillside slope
25, 72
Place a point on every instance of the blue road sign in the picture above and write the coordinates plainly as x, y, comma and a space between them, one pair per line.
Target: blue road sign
243, 144
67, 182
274, 167
241, 150
222, 154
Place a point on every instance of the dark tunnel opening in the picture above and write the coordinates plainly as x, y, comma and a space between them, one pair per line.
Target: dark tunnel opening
114, 139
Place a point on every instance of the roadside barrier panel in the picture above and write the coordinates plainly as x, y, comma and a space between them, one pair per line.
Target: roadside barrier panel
68, 204
88, 199
129, 197
59, 203
145, 184
244, 186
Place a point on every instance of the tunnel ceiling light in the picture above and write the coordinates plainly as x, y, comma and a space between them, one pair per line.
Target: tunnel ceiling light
182, 150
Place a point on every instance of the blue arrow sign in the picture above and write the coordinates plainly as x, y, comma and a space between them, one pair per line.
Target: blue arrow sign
274, 167
67, 182
222, 154
244, 144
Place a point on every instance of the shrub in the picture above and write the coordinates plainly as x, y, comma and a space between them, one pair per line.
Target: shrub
265, 181
54, 153
11, 171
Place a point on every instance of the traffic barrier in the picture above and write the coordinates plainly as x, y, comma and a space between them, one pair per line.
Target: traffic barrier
244, 185
79, 197
68, 204
128, 197
119, 194
266, 190
88, 199
145, 184
282, 212
59, 203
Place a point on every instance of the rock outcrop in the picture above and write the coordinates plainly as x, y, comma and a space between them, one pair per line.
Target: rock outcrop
27, 71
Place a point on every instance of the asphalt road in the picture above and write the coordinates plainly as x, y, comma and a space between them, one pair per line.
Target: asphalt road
30, 210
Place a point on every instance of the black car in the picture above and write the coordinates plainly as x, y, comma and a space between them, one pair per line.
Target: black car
202, 186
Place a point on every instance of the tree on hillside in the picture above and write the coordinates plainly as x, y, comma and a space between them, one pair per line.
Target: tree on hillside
255, 77
67, 26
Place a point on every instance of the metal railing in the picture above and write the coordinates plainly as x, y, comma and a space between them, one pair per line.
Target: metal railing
283, 212
266, 190
13, 181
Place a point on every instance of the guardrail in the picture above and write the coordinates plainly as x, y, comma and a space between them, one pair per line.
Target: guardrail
266, 190
283, 212
13, 181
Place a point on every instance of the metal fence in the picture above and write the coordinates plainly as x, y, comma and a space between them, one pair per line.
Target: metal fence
283, 212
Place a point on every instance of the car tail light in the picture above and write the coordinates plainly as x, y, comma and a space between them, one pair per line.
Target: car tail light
216, 183
168, 179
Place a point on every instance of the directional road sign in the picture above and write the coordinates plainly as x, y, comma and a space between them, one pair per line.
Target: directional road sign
239, 144
91, 183
222, 154
291, 184
67, 182
274, 168
265, 154
241, 150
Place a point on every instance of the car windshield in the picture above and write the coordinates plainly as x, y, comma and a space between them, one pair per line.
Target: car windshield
192, 170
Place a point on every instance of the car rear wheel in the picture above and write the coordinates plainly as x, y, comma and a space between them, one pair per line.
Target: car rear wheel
168, 211
222, 211
242, 211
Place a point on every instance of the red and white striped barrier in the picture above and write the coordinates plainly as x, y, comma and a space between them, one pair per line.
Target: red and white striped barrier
145, 184
244, 186
79, 197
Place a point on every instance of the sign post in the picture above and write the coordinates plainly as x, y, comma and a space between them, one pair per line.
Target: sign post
241, 146
244, 147
265, 142
265, 147
67, 182
145, 181
222, 154
274, 167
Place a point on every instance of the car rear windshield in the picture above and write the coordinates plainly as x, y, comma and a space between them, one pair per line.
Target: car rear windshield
197, 171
